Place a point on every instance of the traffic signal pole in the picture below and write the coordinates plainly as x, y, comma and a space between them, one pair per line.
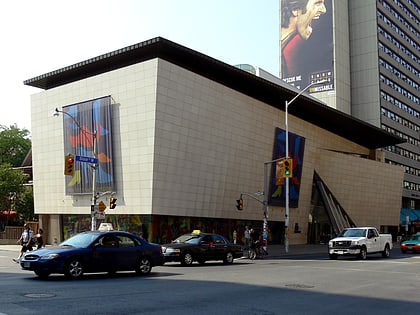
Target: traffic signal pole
286, 221
265, 200
286, 215
93, 208
94, 199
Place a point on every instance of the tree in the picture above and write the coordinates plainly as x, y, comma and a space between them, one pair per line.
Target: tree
11, 185
14, 195
25, 205
14, 145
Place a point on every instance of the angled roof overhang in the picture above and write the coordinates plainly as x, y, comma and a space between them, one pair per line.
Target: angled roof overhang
309, 108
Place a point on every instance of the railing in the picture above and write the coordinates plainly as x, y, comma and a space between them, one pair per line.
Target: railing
11, 234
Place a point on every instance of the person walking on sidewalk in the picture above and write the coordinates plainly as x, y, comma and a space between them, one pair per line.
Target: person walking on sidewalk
247, 236
40, 239
26, 241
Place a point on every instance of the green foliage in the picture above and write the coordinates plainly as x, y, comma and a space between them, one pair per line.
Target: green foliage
11, 185
14, 194
14, 145
25, 206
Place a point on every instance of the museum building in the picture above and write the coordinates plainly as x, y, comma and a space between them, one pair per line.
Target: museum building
176, 137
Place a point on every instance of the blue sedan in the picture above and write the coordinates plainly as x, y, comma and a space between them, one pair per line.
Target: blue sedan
95, 251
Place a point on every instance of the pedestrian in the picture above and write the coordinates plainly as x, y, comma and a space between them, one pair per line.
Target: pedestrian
40, 239
25, 241
247, 237
234, 236
255, 235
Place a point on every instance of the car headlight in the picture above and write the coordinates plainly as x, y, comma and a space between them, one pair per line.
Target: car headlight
330, 244
50, 256
172, 250
354, 243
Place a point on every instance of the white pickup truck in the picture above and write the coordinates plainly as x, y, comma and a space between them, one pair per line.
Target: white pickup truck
359, 242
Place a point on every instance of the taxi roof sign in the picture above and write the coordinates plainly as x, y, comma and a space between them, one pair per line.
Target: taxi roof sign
196, 232
106, 227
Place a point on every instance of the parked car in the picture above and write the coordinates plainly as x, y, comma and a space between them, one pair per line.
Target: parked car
95, 251
412, 244
201, 247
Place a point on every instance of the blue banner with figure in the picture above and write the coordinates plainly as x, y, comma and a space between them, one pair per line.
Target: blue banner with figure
276, 196
88, 133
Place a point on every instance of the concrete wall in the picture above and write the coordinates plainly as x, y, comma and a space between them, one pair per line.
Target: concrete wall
364, 61
185, 145
369, 190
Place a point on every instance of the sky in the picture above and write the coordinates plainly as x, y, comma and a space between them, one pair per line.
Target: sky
41, 36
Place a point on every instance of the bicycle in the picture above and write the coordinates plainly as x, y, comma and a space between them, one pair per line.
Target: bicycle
256, 251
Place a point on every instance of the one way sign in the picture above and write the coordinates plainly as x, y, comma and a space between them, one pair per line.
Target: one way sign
86, 159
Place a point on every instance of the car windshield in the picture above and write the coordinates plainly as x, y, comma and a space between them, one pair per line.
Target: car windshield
353, 233
80, 240
187, 238
415, 237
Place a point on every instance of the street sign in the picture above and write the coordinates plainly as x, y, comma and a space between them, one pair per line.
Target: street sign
102, 206
86, 159
94, 208
100, 215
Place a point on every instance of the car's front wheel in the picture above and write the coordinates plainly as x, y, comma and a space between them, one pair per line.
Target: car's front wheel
228, 258
187, 259
144, 267
74, 269
363, 253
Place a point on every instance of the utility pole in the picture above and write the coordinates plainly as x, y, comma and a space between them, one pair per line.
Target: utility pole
93, 207
286, 222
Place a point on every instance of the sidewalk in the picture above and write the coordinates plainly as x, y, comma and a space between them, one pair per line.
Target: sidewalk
12, 248
279, 251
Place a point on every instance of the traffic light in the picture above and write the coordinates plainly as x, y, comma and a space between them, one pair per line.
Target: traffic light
288, 168
69, 165
240, 204
279, 173
112, 203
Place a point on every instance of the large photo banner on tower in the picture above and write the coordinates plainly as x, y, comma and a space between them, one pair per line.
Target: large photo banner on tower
307, 43
88, 136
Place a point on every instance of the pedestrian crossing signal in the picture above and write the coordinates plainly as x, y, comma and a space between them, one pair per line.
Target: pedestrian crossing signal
240, 204
69, 165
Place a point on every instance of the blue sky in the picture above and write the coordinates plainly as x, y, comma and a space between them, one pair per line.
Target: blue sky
45, 35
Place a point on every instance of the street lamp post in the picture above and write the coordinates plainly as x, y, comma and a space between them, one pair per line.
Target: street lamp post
93, 165
286, 224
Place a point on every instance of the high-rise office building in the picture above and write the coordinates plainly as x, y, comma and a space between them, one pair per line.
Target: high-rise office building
367, 51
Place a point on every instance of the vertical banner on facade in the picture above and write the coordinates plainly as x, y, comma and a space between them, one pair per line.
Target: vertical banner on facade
83, 122
276, 196
307, 43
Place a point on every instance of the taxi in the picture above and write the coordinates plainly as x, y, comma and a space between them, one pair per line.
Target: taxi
201, 247
412, 244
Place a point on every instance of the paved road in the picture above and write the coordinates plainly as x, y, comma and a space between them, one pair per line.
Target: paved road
310, 284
